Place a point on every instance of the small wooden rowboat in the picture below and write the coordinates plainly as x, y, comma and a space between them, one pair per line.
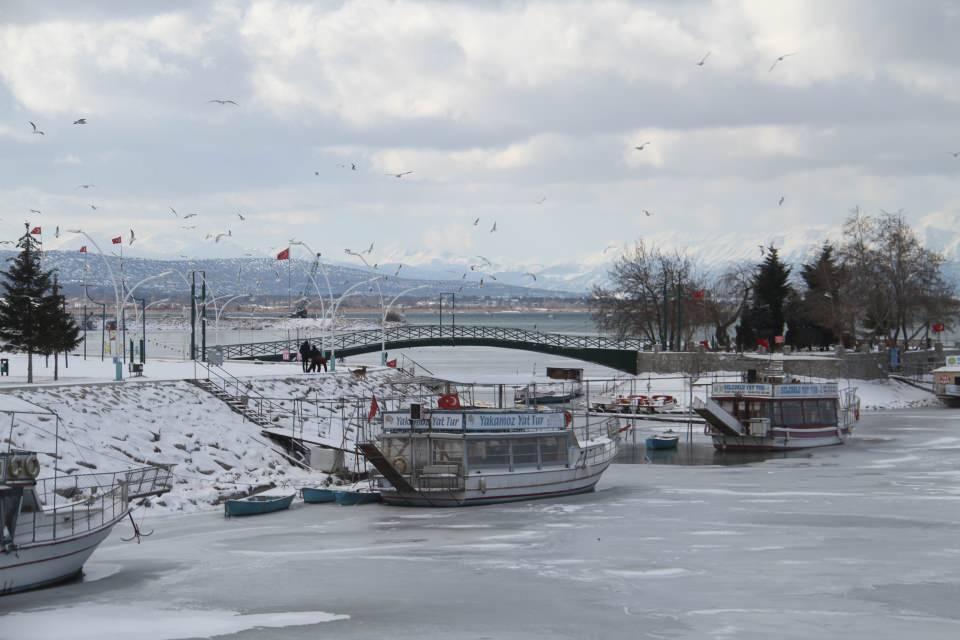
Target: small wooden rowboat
255, 505
350, 498
313, 495
666, 440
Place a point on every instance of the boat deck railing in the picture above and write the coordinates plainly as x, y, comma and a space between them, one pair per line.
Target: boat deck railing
72, 516
141, 482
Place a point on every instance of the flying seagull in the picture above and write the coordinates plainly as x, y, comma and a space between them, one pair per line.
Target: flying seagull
763, 249
780, 59
132, 237
397, 272
369, 249
189, 226
56, 232
642, 146
189, 215
494, 227
782, 198
647, 213
955, 154
240, 215
224, 102
174, 212
399, 175
542, 200
37, 131
35, 211
217, 237
94, 207
532, 275
85, 186
353, 166
703, 59
476, 222
80, 121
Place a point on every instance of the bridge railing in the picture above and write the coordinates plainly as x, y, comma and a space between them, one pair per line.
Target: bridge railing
346, 340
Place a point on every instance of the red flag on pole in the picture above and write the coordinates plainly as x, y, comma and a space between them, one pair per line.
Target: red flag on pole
392, 363
284, 255
35, 231
778, 339
763, 342
83, 249
449, 401
699, 294
374, 407
938, 327
117, 240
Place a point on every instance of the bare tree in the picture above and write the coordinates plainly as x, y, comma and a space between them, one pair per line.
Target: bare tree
724, 300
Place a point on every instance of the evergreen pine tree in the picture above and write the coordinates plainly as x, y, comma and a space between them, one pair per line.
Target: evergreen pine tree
61, 333
25, 285
771, 289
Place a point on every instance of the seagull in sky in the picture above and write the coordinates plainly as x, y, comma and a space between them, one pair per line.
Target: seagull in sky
532, 275
240, 215
37, 211
397, 272
217, 237
399, 175
189, 215
955, 154
56, 232
80, 121
174, 212
218, 101
542, 200
494, 227
85, 186
132, 237
763, 249
703, 59
189, 226
642, 146
486, 260
476, 222
647, 213
370, 249
780, 203
780, 59
94, 207
37, 131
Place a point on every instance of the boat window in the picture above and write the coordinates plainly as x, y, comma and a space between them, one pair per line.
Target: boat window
395, 447
525, 451
488, 453
447, 451
553, 450
792, 412
828, 411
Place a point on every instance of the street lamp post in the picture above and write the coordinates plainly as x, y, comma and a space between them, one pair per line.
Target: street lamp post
453, 306
116, 289
130, 295
143, 324
103, 325
383, 322
333, 320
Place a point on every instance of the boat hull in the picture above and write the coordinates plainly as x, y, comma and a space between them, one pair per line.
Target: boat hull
662, 443
318, 496
232, 508
782, 441
505, 487
43, 564
351, 498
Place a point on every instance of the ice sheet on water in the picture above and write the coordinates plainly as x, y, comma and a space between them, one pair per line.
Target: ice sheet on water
147, 621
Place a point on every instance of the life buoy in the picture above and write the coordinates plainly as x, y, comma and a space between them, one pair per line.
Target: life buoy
16, 467
32, 467
567, 418
400, 464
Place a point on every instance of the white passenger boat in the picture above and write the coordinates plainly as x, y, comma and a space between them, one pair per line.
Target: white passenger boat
483, 456
50, 526
774, 412
946, 382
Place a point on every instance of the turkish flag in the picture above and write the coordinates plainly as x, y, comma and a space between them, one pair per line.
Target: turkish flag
449, 401
778, 339
699, 294
392, 363
35, 231
117, 240
83, 249
284, 255
374, 407
763, 342
938, 327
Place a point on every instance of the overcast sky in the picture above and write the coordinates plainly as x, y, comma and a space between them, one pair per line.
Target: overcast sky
523, 113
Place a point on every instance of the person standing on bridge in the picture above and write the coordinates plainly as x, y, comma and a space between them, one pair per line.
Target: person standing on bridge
304, 354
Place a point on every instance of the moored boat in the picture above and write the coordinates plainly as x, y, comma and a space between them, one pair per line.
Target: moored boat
636, 403
349, 498
546, 394
483, 456
314, 495
258, 504
774, 412
666, 440
946, 382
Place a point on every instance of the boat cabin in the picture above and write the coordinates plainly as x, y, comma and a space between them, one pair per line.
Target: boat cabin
946, 381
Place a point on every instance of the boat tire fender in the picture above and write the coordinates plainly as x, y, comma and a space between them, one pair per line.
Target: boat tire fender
16, 466
32, 467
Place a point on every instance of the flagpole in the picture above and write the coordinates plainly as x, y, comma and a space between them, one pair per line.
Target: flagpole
289, 309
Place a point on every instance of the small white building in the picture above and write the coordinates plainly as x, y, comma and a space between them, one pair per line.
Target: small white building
946, 382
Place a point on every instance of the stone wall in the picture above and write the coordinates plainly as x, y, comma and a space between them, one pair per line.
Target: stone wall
864, 366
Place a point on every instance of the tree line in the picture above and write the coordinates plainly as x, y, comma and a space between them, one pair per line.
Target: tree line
877, 285
33, 315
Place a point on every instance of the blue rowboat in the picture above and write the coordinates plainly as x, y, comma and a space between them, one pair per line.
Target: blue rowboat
255, 505
350, 498
312, 495
666, 440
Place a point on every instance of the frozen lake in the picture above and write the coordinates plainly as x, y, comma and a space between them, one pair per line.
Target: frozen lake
849, 542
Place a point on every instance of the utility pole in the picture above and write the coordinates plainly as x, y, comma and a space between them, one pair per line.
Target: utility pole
193, 315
